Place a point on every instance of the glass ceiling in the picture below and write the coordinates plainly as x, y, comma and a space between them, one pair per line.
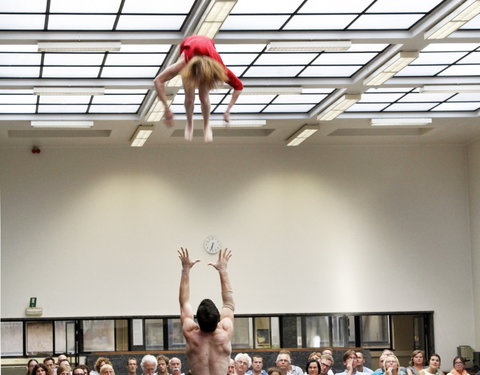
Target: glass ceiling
149, 32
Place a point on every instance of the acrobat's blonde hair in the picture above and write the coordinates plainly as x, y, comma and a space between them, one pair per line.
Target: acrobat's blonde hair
203, 71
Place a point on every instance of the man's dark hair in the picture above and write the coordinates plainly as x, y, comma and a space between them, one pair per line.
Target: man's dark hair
208, 315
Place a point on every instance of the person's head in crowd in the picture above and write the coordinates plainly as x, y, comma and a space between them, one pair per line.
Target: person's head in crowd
30, 365
107, 369
391, 364
328, 351
132, 365
175, 366
257, 363
78, 371
86, 370
312, 367
148, 364
274, 371
417, 358
314, 355
50, 363
64, 363
382, 357
60, 358
41, 369
100, 362
458, 364
326, 363
350, 358
231, 367
434, 363
63, 370
242, 363
360, 360
283, 361
162, 364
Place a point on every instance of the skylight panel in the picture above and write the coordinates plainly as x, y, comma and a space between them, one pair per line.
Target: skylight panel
113, 108
385, 22
410, 107
238, 48
430, 58
461, 70
319, 22
214, 99
73, 71
473, 58
380, 97
126, 91
425, 97
254, 22
64, 99
135, 59
315, 90
344, 58
466, 97
473, 106
285, 58
330, 71
345, 6
69, 108
238, 58
73, 59
265, 6
32, 6
21, 21
17, 108
81, 22
252, 99
19, 71
150, 22
364, 107
420, 70
286, 99
237, 70
118, 99
84, 6
16, 91
473, 24
289, 108
18, 99
241, 108
20, 58
144, 48
130, 72
273, 71
18, 48
403, 6
149, 6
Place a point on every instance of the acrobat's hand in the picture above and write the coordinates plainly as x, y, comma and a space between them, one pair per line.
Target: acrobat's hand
185, 258
168, 118
226, 117
223, 258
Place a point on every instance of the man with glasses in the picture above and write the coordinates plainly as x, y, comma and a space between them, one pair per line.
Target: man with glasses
326, 363
242, 363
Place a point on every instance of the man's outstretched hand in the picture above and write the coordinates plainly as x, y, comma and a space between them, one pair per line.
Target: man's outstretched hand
185, 259
222, 261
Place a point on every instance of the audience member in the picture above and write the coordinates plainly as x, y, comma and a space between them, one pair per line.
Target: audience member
326, 364
78, 371
107, 369
231, 367
63, 370
391, 365
458, 366
312, 367
30, 365
433, 367
273, 371
86, 370
361, 364
284, 364
50, 363
41, 369
148, 364
98, 365
328, 351
162, 364
417, 362
350, 363
257, 366
132, 366
175, 366
242, 363
60, 358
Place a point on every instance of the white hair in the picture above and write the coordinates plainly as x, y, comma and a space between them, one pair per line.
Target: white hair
148, 358
243, 355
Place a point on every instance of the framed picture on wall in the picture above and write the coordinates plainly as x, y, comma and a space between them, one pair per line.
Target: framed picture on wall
98, 335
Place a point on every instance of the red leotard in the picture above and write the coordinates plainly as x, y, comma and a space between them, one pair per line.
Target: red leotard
198, 45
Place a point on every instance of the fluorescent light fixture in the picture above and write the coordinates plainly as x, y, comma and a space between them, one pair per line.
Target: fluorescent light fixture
451, 88
313, 46
215, 17
272, 90
156, 110
62, 124
301, 134
141, 135
68, 91
455, 20
238, 123
400, 121
397, 63
340, 106
78, 46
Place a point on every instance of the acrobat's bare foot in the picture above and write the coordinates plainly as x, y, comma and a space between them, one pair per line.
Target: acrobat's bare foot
189, 132
168, 118
208, 134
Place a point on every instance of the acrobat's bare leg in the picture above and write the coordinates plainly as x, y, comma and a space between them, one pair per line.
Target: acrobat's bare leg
189, 106
203, 93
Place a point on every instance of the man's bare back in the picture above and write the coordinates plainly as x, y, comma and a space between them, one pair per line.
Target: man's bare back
208, 342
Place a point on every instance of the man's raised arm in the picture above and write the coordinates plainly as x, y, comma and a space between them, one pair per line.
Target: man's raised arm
227, 293
186, 310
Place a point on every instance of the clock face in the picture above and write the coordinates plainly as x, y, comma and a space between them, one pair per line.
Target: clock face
212, 245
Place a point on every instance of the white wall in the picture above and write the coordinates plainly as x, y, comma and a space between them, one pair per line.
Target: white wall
474, 193
313, 229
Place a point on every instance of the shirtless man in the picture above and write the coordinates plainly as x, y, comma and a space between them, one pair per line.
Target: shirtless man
208, 342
